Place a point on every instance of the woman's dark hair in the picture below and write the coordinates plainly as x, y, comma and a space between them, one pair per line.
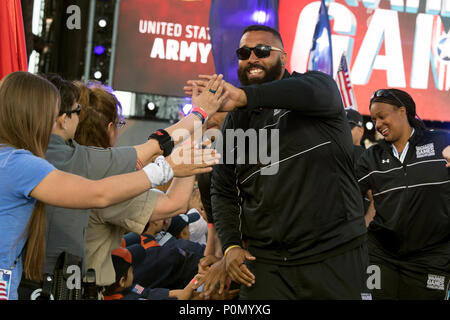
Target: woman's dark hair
399, 98
69, 92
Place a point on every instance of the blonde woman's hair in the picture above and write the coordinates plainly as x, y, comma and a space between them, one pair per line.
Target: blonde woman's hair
28, 108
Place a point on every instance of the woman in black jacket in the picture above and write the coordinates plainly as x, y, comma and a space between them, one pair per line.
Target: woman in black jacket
409, 237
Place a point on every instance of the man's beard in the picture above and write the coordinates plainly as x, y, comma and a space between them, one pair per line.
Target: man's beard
270, 74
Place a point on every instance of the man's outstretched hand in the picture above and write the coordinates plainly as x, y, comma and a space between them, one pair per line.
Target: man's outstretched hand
235, 97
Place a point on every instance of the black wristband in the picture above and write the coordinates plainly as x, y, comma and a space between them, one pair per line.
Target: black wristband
165, 141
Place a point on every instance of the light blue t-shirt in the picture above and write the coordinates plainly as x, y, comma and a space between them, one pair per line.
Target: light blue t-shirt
20, 173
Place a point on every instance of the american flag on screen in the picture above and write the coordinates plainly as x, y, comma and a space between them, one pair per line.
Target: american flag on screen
345, 85
3, 293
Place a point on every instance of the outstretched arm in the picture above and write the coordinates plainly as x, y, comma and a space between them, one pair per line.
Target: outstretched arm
67, 190
209, 102
313, 94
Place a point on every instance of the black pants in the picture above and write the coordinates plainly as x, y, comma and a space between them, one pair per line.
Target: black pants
424, 275
339, 277
406, 281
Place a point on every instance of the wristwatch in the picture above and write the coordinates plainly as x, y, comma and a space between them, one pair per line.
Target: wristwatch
165, 141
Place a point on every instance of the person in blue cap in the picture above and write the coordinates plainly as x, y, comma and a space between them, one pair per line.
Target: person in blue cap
179, 225
124, 261
164, 265
178, 235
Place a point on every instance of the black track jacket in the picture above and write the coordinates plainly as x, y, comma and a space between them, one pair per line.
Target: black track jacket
412, 199
312, 204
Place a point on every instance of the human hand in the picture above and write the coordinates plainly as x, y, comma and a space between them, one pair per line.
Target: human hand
215, 275
181, 294
235, 97
186, 293
226, 295
208, 95
191, 159
206, 262
235, 267
446, 155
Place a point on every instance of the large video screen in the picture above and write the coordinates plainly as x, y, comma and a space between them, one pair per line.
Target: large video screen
396, 43
161, 45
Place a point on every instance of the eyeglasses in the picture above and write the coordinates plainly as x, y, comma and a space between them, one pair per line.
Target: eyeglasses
261, 51
77, 111
122, 123
386, 93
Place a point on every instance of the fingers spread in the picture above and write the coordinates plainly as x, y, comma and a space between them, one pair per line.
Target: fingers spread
215, 83
205, 76
210, 82
197, 282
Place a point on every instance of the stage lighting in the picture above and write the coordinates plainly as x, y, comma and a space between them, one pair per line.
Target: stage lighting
102, 23
186, 108
98, 75
150, 109
369, 125
260, 16
99, 50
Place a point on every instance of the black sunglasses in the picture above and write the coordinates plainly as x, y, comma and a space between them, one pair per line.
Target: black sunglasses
261, 51
386, 93
77, 111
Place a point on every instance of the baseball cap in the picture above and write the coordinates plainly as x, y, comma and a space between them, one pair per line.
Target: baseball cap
180, 221
130, 239
354, 118
124, 258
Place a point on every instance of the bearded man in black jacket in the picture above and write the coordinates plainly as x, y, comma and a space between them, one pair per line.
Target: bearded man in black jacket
294, 228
